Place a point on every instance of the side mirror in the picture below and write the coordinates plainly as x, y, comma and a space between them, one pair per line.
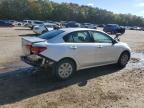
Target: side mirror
114, 42
117, 35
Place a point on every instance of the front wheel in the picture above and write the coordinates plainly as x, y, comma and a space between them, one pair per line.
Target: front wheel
123, 60
64, 69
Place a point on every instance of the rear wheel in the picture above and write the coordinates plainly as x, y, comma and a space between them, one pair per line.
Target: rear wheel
123, 60
64, 69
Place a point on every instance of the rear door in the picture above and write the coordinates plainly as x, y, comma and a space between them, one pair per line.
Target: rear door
81, 47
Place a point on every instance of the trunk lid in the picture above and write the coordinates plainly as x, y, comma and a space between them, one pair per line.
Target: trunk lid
27, 42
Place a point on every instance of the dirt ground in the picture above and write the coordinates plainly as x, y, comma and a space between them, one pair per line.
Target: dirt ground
102, 87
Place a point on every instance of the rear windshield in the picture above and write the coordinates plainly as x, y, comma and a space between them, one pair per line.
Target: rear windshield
51, 34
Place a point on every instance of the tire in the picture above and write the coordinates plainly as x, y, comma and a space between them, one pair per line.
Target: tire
122, 31
64, 69
123, 59
32, 27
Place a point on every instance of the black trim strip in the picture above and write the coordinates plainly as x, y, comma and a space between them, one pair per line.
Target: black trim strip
46, 58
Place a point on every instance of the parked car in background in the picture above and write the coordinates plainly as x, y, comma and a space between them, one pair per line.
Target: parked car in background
127, 27
114, 29
101, 25
71, 49
11, 21
17, 23
73, 24
89, 25
40, 29
136, 28
27, 23
35, 23
5, 24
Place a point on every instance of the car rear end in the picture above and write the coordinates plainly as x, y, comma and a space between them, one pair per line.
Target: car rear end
35, 49
31, 53
107, 28
37, 29
122, 30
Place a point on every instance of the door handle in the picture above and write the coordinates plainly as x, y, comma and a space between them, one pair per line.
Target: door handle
73, 47
100, 46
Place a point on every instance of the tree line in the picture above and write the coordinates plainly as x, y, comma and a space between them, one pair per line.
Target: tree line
48, 10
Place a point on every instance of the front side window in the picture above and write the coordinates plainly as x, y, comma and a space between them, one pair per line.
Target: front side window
101, 37
78, 37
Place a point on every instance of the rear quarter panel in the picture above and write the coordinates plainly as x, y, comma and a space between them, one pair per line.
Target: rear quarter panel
58, 51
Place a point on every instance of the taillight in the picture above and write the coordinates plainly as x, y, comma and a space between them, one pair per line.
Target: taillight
29, 46
37, 50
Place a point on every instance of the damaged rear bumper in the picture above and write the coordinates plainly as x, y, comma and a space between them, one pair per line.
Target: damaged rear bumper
37, 60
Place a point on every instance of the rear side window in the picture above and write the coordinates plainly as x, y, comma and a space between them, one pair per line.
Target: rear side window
68, 38
78, 37
51, 34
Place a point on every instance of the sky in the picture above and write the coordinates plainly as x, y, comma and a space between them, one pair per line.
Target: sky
135, 7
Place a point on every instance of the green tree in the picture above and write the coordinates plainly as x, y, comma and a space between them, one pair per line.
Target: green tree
47, 10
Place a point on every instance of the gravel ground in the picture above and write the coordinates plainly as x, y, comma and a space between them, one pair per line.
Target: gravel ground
100, 87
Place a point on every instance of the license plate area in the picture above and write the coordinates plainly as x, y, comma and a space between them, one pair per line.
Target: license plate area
33, 60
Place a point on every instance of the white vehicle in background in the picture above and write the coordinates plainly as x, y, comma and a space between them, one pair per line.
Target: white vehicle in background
17, 23
35, 23
90, 26
26, 23
71, 49
40, 29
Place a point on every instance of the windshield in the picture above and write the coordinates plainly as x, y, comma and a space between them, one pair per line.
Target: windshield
51, 34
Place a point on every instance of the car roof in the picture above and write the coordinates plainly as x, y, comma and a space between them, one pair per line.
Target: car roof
76, 29
112, 24
49, 24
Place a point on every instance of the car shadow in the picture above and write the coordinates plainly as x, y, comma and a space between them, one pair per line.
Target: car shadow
27, 82
23, 29
29, 35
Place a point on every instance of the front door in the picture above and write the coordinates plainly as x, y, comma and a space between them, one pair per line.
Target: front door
105, 51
